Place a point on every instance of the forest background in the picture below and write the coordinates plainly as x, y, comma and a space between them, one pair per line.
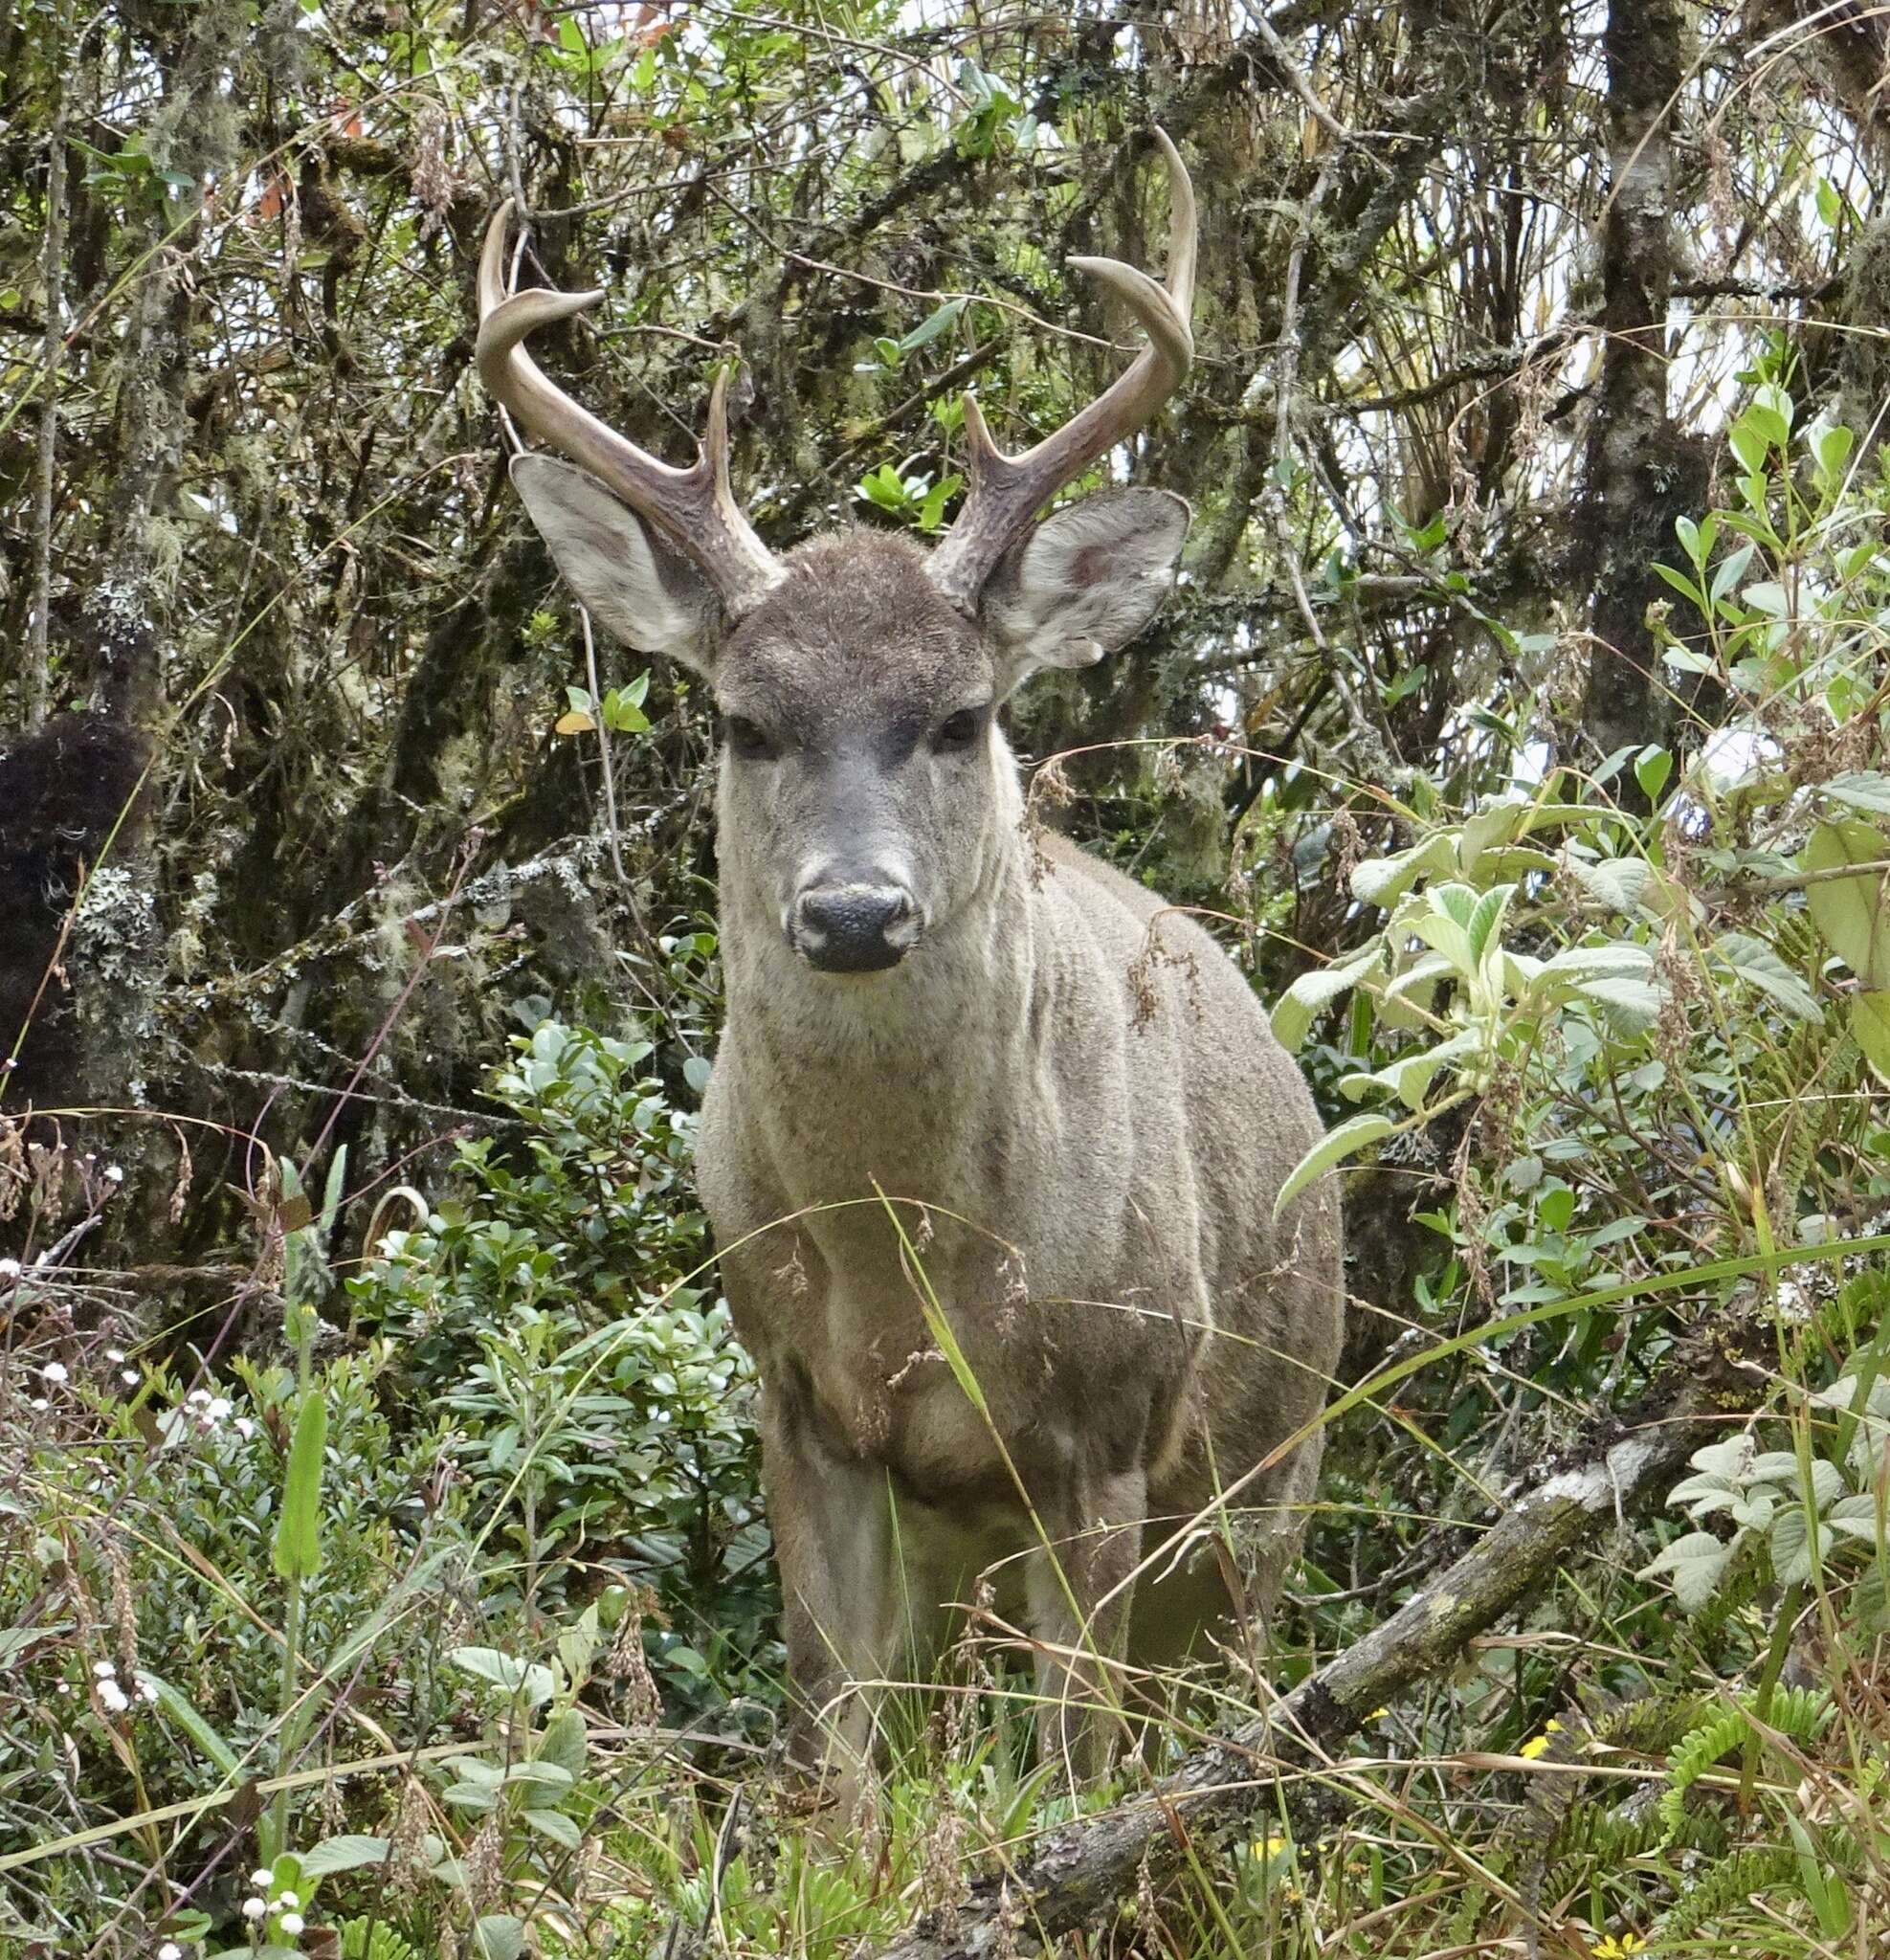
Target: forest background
380, 1563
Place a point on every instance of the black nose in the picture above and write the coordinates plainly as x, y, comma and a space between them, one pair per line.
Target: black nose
854, 929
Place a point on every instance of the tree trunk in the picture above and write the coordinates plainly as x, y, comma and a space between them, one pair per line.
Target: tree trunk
1640, 472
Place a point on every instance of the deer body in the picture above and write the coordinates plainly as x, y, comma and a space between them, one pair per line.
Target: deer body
983, 1107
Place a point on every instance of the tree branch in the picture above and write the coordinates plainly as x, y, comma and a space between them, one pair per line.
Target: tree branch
1077, 1875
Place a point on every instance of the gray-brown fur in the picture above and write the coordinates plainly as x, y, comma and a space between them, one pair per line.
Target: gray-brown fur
982, 1104
1063, 1098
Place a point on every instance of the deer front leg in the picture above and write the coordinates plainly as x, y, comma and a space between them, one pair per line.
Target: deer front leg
1078, 1597
831, 1520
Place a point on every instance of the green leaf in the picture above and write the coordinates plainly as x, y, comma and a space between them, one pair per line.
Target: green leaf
696, 1071
556, 1826
1866, 789
507, 1671
178, 1707
1410, 1077
1850, 911
498, 1936
1653, 766
1333, 1148
1869, 1028
933, 325
1629, 1006
1792, 1547
1695, 1563
345, 1854
1756, 964
1298, 1005
1617, 882
1384, 880
299, 1529
564, 1743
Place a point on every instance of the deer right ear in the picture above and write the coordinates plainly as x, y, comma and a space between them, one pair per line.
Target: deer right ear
629, 579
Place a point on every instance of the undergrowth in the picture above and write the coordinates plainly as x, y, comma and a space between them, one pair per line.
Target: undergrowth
431, 1610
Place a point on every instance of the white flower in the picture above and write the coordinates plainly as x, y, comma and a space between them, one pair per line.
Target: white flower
128, 1377
216, 1408
114, 1353
255, 1908
10, 1269
171, 1950
262, 1876
104, 1669
54, 1372
146, 1692
40, 1402
287, 1902
196, 1398
113, 1175
244, 1427
114, 1697
290, 1923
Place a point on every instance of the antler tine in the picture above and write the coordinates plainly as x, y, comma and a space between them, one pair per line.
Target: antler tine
1006, 491
694, 508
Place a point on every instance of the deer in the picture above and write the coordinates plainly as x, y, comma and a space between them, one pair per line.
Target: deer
993, 1141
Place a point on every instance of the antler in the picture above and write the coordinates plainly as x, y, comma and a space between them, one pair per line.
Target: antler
694, 508
1007, 490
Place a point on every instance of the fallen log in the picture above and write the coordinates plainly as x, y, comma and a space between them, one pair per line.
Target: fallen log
1077, 1875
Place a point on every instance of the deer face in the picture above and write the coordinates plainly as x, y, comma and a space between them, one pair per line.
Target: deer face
866, 792
864, 783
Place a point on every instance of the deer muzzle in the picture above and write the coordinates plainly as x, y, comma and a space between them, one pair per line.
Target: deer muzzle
854, 929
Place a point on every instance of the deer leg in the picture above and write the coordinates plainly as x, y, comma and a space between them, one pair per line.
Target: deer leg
1079, 1600
831, 1520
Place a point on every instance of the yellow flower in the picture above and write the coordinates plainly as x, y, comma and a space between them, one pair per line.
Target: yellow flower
1537, 1744
1378, 1715
1268, 1847
1612, 1949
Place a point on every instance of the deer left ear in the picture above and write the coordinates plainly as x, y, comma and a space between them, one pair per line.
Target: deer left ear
1090, 578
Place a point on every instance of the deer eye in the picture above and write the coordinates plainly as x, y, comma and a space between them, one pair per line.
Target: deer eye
959, 731
745, 739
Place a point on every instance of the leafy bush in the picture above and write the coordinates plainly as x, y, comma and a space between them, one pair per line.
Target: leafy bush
556, 1309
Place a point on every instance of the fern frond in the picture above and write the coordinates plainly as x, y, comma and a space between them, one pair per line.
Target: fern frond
1723, 1886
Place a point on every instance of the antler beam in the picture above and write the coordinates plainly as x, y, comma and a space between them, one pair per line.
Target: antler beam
1006, 491
695, 509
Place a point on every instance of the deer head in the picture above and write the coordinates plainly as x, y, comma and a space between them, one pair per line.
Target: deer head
867, 793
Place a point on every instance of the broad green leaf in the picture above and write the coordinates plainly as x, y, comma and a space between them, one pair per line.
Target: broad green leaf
1792, 1547
556, 1826
1298, 1005
1695, 1563
1487, 917
1850, 912
1617, 882
1870, 1025
1755, 963
1629, 1006
1866, 789
564, 1743
1333, 1148
1410, 1077
1384, 880
507, 1671
345, 1854
498, 1936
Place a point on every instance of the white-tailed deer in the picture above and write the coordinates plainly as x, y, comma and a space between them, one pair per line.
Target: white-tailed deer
971, 1079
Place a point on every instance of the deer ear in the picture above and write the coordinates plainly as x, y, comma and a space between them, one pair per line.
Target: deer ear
629, 579
1091, 576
